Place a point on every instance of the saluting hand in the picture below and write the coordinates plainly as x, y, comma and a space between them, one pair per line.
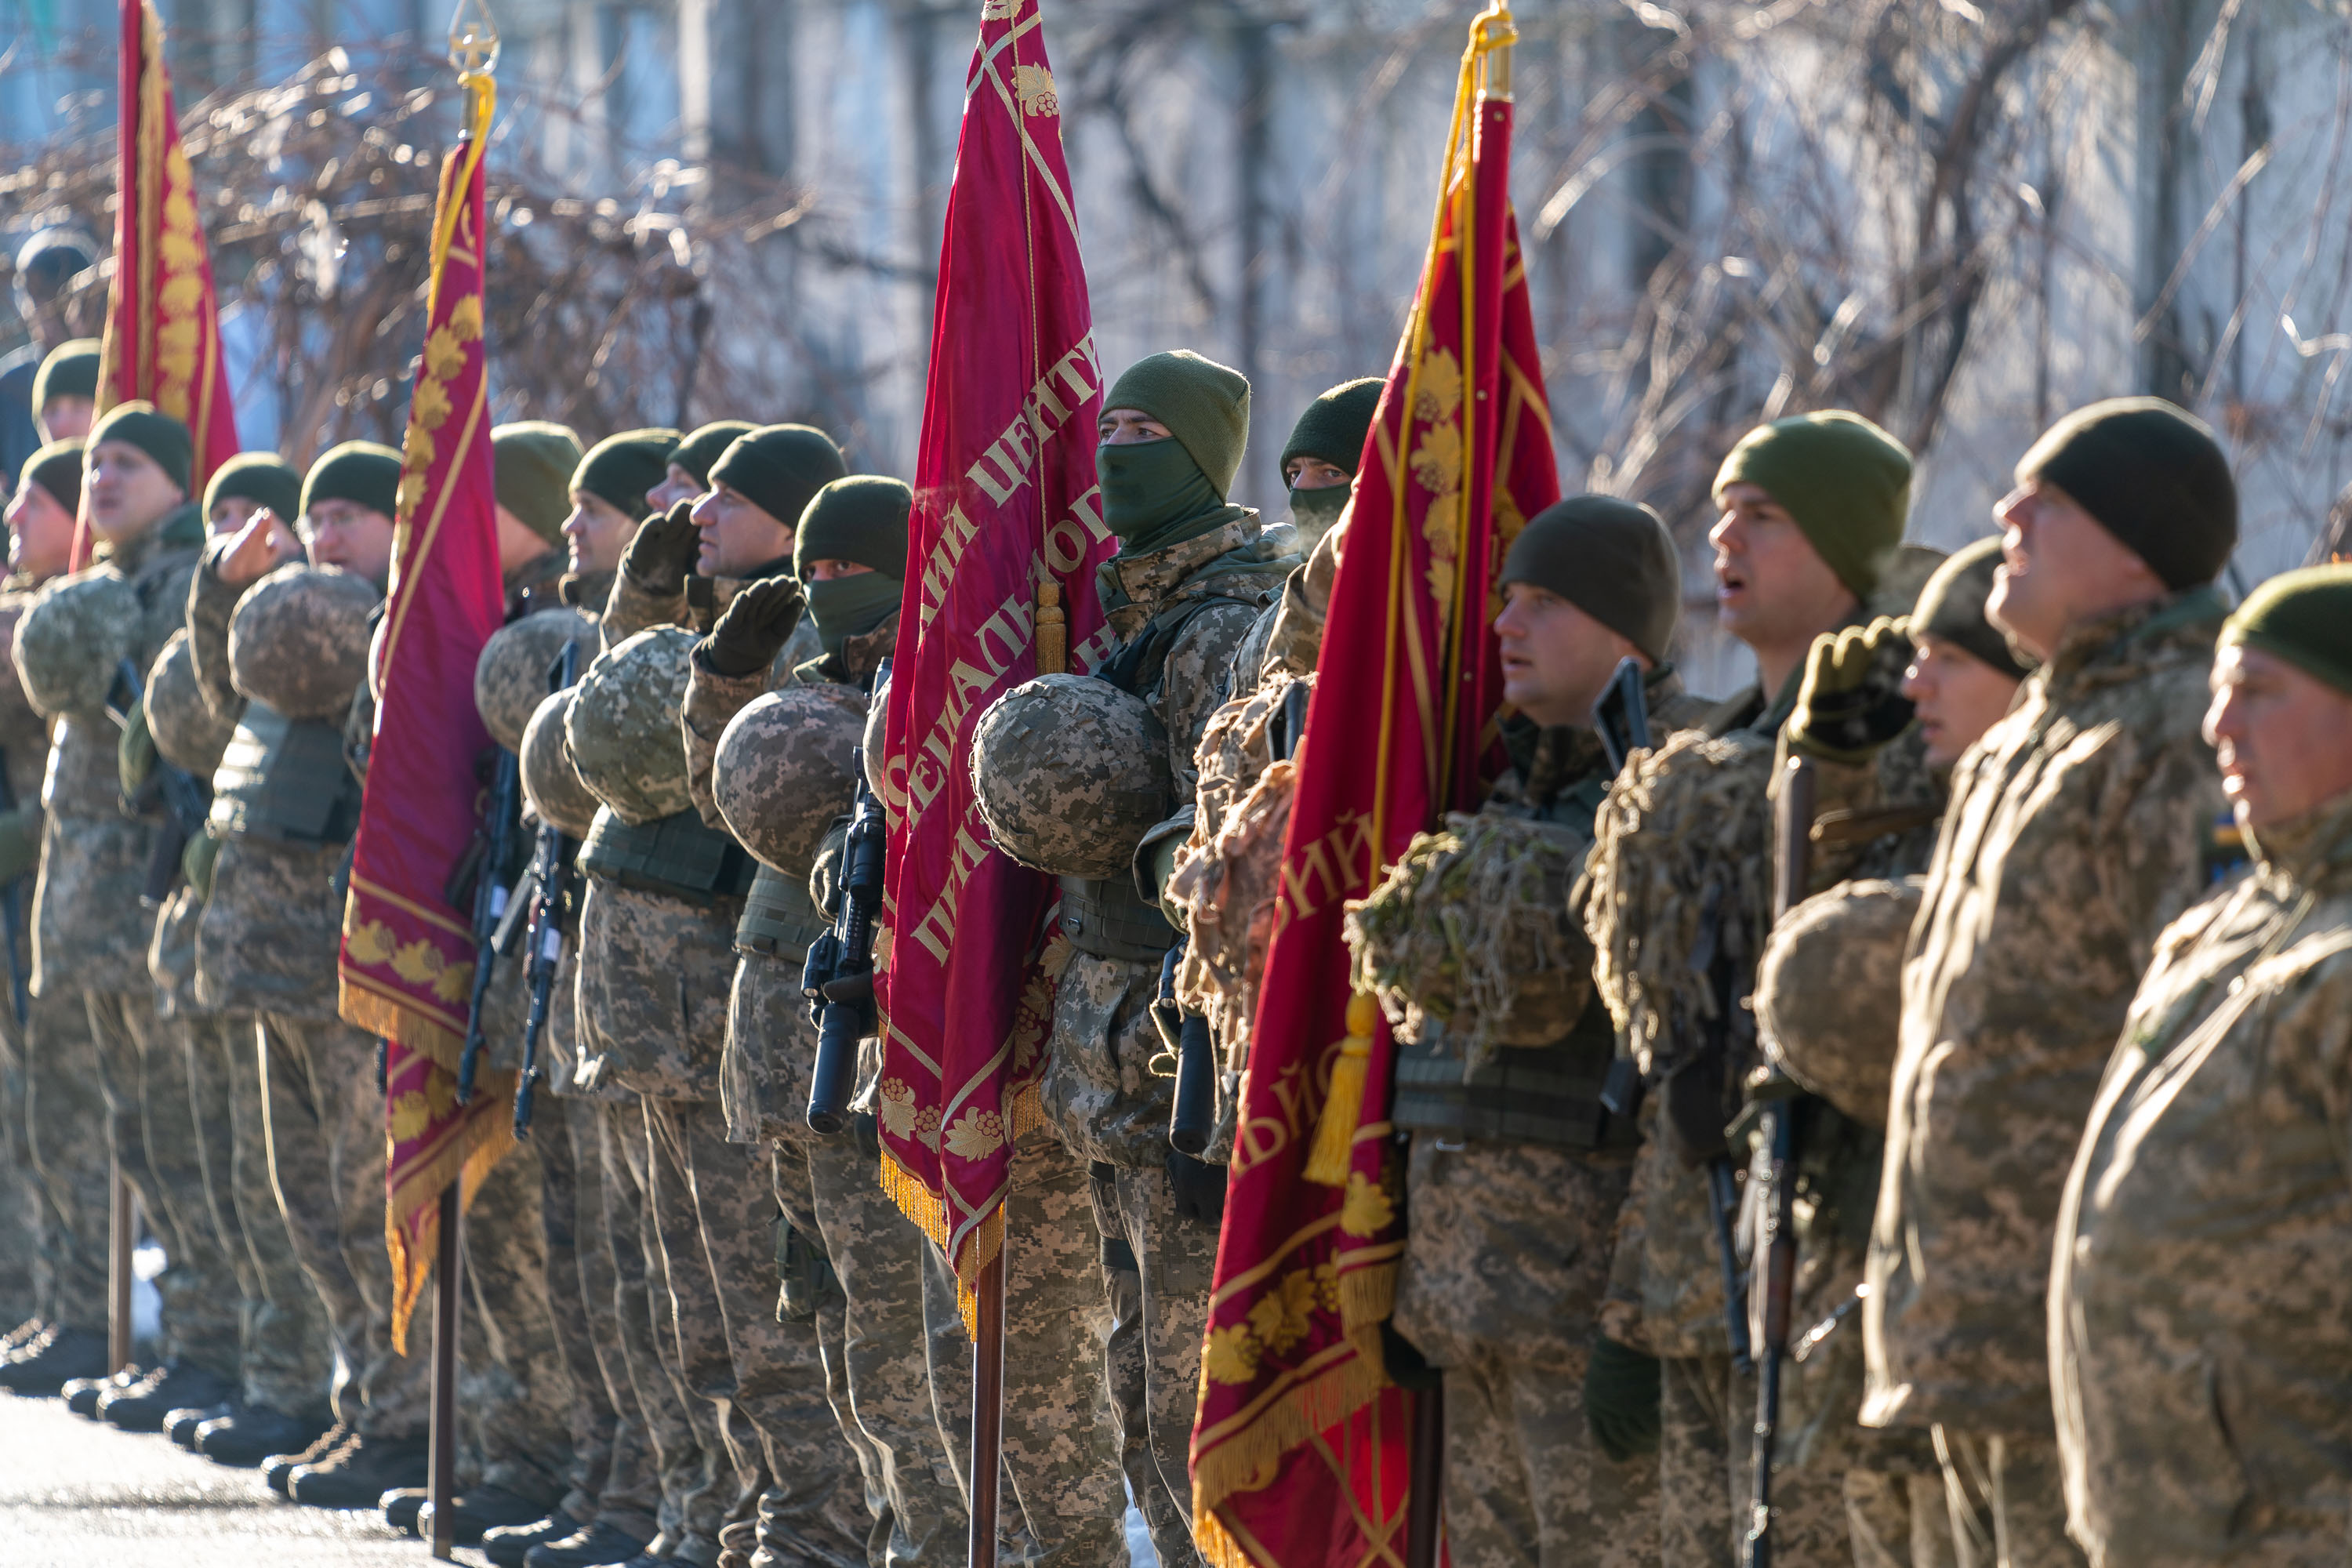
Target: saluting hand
257, 549
754, 628
1852, 703
663, 551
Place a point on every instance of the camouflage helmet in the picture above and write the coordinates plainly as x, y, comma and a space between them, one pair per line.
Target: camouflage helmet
298, 640
73, 640
624, 731
1070, 773
1829, 993
510, 678
783, 771
186, 730
549, 780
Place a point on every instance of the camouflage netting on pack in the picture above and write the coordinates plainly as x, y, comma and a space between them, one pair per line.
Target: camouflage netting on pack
624, 729
1679, 877
298, 640
187, 732
785, 768
1070, 773
550, 783
70, 642
510, 678
1468, 941
1829, 993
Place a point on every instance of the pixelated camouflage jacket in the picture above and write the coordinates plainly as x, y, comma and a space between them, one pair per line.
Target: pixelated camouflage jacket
2200, 1314
1098, 1091
272, 926
713, 700
2079, 825
90, 932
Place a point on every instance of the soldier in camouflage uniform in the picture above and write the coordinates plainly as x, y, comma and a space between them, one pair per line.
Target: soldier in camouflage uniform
91, 930
1813, 512
849, 555
532, 462
1318, 464
1828, 996
2201, 1348
1191, 575
664, 894
284, 808
1517, 1171
55, 1134
2079, 825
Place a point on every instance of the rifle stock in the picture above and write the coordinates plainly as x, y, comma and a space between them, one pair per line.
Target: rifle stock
490, 899
550, 881
838, 978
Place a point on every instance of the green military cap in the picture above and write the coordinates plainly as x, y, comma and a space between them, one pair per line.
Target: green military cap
695, 453
862, 518
1334, 427
1609, 558
263, 478
70, 370
56, 468
780, 468
1846, 483
365, 473
2304, 617
1204, 404
1952, 607
2150, 474
621, 468
161, 436
531, 461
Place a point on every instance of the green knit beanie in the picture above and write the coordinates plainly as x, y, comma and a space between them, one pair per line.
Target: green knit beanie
1334, 426
621, 468
263, 478
2152, 475
365, 473
158, 434
863, 519
1205, 406
56, 468
778, 469
1609, 558
1951, 607
1846, 482
698, 451
532, 461
70, 371
2305, 619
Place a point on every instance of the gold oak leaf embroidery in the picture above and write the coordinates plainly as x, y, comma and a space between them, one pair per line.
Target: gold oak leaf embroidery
409, 1117
1230, 1354
1437, 392
445, 353
419, 451
369, 943
466, 321
1366, 1210
1437, 458
430, 404
418, 962
1280, 1316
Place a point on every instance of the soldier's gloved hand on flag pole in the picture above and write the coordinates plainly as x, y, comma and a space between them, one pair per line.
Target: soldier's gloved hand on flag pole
662, 554
754, 628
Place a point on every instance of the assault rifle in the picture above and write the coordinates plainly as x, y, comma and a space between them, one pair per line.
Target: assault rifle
1194, 1115
837, 980
12, 918
551, 884
492, 847
1776, 1243
187, 802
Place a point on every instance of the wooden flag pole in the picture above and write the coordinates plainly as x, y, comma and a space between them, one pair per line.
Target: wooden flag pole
987, 1410
447, 1264
121, 1235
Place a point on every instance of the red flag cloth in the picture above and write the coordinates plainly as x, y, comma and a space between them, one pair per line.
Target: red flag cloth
162, 341
408, 965
1301, 1451
1005, 496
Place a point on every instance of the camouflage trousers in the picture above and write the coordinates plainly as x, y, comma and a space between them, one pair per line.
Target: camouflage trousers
611, 1476
2005, 1501
289, 1360
514, 1390
1704, 1468
21, 1199
688, 1456
65, 1131
1507, 1253
1899, 1520
1152, 1359
1063, 1503
714, 1207
327, 1161
877, 1256
144, 1073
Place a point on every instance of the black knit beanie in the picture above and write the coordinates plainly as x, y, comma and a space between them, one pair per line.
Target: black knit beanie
1609, 558
863, 519
778, 469
1334, 427
70, 371
621, 468
1951, 607
263, 478
2152, 475
697, 452
158, 434
365, 473
56, 468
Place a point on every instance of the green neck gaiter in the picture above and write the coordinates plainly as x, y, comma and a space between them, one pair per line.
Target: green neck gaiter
1313, 512
846, 607
1154, 495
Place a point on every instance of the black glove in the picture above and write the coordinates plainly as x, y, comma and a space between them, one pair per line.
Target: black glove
1198, 1187
1621, 1400
658, 559
755, 627
1852, 701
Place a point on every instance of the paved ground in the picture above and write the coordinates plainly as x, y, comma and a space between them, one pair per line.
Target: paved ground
76, 1494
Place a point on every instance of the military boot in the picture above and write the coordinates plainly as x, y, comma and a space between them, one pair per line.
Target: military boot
143, 1407
597, 1546
254, 1433
278, 1469
180, 1425
82, 1394
359, 1473
42, 1366
475, 1512
506, 1546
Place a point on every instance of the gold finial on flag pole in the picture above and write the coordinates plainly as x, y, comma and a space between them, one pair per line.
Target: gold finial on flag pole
1493, 32
474, 50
